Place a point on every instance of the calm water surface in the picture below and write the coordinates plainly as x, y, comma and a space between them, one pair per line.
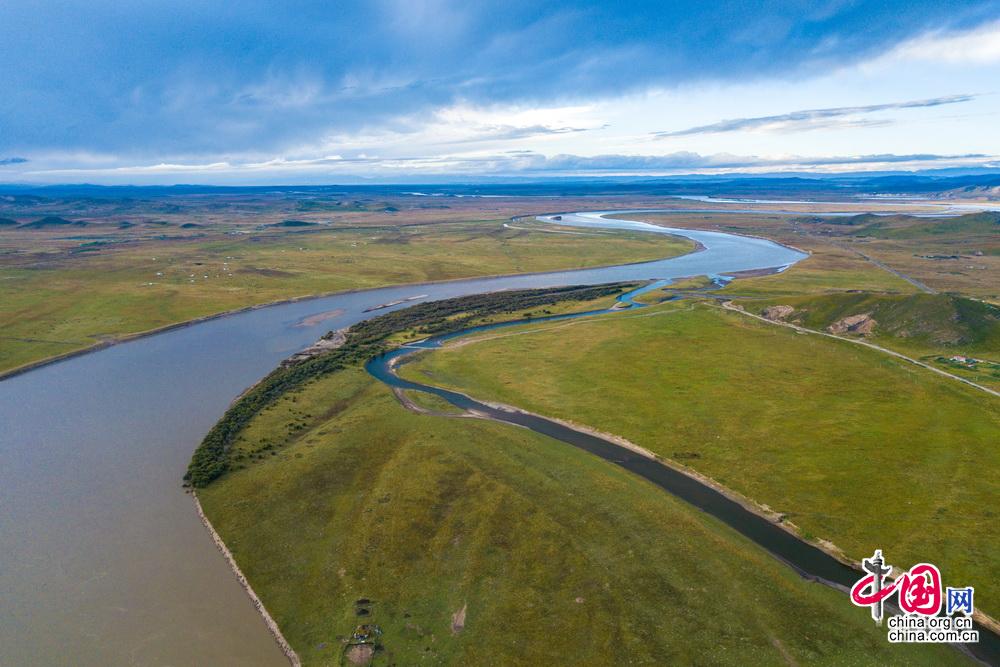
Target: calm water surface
102, 558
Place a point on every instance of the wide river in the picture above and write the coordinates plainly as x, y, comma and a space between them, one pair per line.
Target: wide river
103, 560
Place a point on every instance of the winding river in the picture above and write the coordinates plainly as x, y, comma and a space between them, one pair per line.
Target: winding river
807, 560
102, 557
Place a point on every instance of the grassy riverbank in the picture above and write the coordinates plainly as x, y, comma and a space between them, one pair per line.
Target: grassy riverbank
474, 542
55, 300
953, 255
819, 430
218, 452
556, 557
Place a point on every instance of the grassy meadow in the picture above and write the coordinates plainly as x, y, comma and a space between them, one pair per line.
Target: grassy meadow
956, 334
951, 255
958, 256
61, 301
480, 543
849, 444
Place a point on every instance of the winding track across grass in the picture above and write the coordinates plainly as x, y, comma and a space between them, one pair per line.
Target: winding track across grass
731, 308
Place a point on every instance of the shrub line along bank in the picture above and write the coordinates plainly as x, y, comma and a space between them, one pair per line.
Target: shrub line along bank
363, 341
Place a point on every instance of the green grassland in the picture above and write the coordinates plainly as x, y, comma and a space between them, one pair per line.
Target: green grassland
328, 491
431, 402
986, 223
837, 281
336, 493
830, 266
556, 557
931, 327
853, 446
216, 455
56, 301
959, 255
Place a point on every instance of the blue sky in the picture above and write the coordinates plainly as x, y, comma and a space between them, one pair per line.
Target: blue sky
313, 92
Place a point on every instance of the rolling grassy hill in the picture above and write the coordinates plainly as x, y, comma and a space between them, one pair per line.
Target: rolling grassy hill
908, 227
52, 221
932, 327
819, 430
911, 227
926, 320
473, 542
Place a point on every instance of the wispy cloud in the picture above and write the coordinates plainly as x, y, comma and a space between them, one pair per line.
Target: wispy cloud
981, 46
684, 160
511, 133
814, 119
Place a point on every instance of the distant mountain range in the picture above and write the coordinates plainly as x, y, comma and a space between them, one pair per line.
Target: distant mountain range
944, 183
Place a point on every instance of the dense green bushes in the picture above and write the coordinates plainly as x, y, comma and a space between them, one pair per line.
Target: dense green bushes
364, 340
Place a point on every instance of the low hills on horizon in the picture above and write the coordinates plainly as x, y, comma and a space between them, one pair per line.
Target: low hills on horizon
945, 184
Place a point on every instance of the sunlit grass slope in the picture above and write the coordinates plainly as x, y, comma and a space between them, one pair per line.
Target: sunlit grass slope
556, 556
933, 327
850, 444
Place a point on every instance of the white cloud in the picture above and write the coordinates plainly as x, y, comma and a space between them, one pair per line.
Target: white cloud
445, 129
980, 46
510, 163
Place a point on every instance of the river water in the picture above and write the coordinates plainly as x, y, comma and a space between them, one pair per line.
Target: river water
809, 561
103, 560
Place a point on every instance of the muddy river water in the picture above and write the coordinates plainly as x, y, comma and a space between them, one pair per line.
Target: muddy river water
103, 560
